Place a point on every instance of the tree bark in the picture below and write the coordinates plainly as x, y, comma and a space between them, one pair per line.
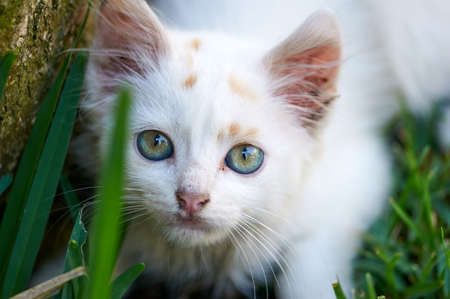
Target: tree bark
37, 32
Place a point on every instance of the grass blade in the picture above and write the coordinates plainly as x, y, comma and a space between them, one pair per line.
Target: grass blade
406, 219
338, 291
71, 198
106, 230
45, 183
74, 258
5, 181
29, 161
26, 170
370, 287
424, 288
5, 67
124, 281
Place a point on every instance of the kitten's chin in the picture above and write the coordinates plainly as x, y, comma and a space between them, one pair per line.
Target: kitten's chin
191, 235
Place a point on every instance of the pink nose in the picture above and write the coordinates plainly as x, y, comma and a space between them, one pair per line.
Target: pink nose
192, 203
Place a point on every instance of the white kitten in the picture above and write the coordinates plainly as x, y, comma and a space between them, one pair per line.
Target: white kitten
243, 164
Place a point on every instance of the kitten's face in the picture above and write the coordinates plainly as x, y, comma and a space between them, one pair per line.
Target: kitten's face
204, 103
220, 128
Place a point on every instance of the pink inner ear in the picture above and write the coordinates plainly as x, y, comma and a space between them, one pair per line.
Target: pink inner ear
126, 36
310, 79
316, 67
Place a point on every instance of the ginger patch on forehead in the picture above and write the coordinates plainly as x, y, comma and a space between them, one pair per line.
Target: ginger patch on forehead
220, 135
251, 132
234, 129
194, 44
241, 88
190, 81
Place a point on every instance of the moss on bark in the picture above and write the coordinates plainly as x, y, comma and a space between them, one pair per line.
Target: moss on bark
37, 31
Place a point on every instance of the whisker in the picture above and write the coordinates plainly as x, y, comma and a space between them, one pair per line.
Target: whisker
266, 249
77, 190
276, 255
237, 245
256, 257
280, 237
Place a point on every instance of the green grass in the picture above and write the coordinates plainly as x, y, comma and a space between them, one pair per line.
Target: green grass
25, 174
33, 190
45, 182
34, 186
406, 252
106, 226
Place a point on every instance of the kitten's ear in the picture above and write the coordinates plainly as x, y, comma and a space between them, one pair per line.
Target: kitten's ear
305, 66
129, 38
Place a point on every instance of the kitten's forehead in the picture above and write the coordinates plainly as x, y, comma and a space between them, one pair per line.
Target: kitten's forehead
221, 49
209, 91
204, 74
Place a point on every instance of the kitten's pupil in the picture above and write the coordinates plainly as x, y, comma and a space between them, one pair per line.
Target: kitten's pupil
159, 140
245, 153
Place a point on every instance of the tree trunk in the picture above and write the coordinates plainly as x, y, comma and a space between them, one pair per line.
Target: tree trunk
36, 31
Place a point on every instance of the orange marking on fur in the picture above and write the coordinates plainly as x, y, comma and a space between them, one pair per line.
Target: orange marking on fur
195, 44
220, 135
251, 132
190, 81
241, 88
222, 165
234, 129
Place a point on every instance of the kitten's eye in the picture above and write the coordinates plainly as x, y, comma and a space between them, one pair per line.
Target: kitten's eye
154, 145
244, 158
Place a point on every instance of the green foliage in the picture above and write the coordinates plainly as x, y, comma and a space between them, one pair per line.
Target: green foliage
338, 291
370, 287
106, 224
406, 253
26, 171
124, 281
70, 196
75, 258
25, 174
106, 228
34, 187
5, 181
45, 181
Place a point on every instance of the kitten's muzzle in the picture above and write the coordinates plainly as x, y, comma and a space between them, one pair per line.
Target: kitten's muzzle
191, 203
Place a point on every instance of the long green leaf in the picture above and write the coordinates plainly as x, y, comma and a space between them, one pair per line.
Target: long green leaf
337, 288
423, 288
75, 258
5, 181
124, 280
370, 287
71, 198
45, 183
5, 67
106, 230
26, 170
406, 219
28, 163
74, 252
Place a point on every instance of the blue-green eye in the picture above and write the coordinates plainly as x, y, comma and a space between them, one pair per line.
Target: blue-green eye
154, 145
244, 158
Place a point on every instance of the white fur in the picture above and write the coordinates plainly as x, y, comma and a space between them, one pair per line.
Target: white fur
304, 210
